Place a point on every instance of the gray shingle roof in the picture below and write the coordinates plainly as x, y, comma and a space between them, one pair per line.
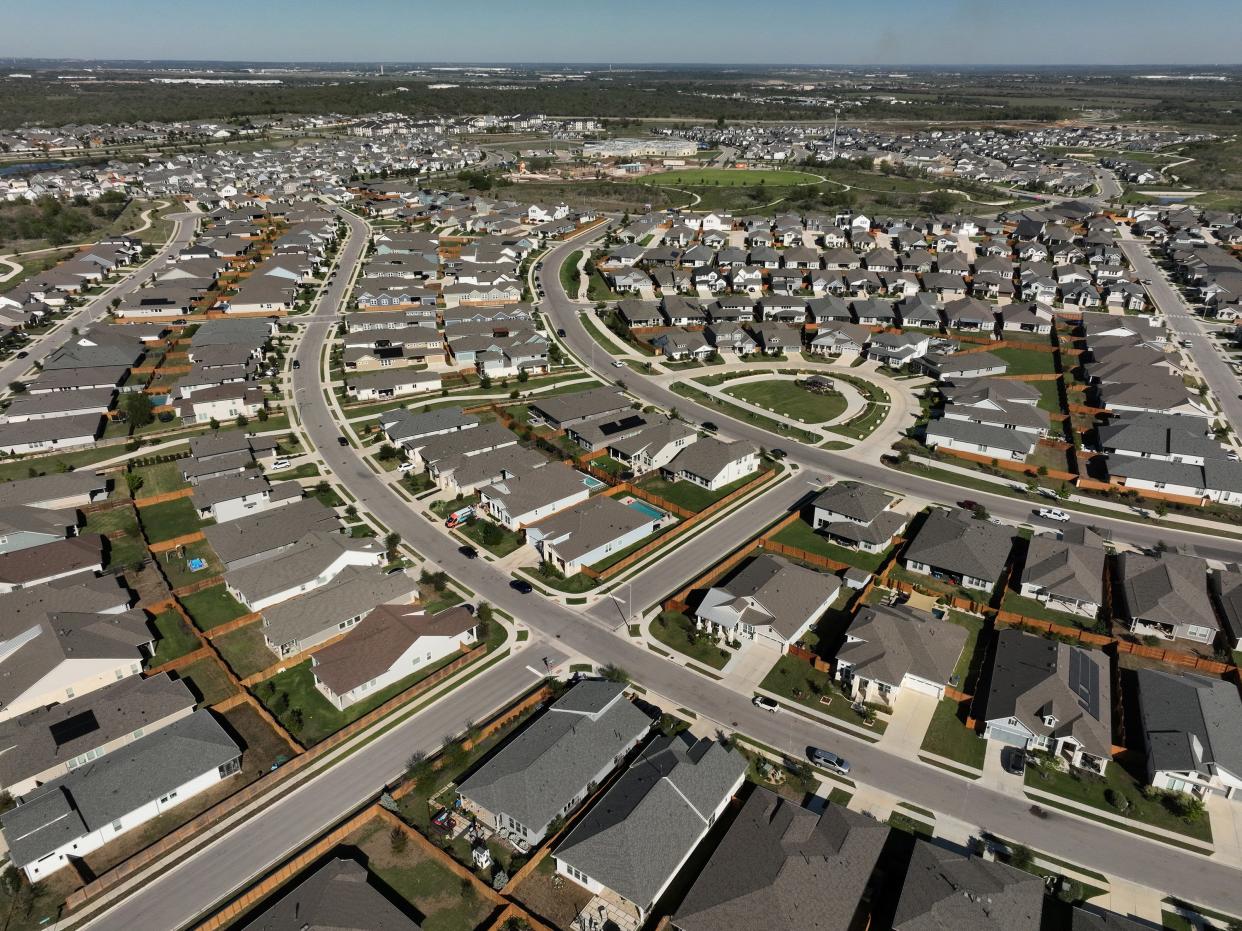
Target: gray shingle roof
885, 643
944, 890
636, 836
1072, 567
534, 776
784, 868
1191, 723
954, 542
1169, 588
336, 897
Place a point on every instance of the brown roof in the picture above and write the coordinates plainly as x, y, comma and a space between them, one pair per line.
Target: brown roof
40, 562
380, 639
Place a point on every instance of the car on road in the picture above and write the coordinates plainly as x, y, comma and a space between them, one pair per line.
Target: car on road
828, 760
468, 551
297, 364
617, 363
521, 585
968, 504
1052, 514
22, 354
342, 440
767, 704
777, 453
709, 426
1013, 760
560, 331
1145, 281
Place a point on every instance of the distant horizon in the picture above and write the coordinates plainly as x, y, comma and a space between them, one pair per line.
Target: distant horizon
727, 33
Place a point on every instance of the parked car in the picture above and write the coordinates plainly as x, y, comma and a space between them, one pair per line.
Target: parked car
405, 467
22, 354
297, 364
278, 464
617, 363
468, 551
968, 504
1013, 759
560, 331
709, 426
777, 453
767, 704
1052, 514
828, 760
342, 440
521, 585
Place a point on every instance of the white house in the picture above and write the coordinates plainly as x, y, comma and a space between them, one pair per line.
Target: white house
529, 496
713, 464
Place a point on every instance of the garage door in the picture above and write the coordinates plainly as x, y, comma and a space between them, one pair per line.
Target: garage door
1005, 735
922, 686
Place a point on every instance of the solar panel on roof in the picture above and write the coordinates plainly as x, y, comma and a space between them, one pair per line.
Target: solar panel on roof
1084, 681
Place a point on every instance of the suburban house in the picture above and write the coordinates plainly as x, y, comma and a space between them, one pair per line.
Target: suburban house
979, 439
561, 411
889, 649
248, 540
770, 599
633, 842
550, 767
222, 403
234, 496
392, 642
312, 562
1192, 732
652, 447
962, 365
1065, 572
46, 743
712, 464
52, 562
897, 349
382, 386
857, 516
954, 547
782, 867
336, 895
77, 813
533, 495
1166, 596
945, 889
589, 532
1047, 695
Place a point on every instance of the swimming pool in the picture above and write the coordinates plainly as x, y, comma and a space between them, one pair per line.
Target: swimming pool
642, 507
592, 482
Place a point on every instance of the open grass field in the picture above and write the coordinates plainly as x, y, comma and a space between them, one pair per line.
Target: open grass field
730, 177
790, 400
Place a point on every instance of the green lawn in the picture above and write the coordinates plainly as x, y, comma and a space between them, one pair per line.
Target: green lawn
160, 478
569, 274
798, 681
175, 638
690, 496
1090, 790
169, 519
789, 400
1036, 609
746, 416
245, 650
503, 541
575, 584
177, 567
675, 630
123, 550
800, 534
948, 736
27, 467
1027, 361
864, 424
729, 177
1049, 396
305, 470
292, 697
212, 607
208, 681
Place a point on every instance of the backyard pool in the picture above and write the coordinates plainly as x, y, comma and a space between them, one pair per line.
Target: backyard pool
591, 482
642, 507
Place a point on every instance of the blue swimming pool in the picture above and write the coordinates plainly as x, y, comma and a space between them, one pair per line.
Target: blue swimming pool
642, 507
592, 482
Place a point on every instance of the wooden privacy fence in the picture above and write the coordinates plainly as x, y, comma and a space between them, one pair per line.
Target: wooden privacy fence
221, 810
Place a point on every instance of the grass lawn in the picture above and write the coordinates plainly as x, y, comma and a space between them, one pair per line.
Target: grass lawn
503, 541
864, 424
168, 520
674, 630
613, 558
177, 567
903, 822
292, 697
729, 177
570, 275
575, 584
1027, 361
1032, 608
746, 416
1090, 790
208, 681
948, 736
800, 534
690, 496
609, 465
789, 400
245, 650
431, 889
122, 550
160, 478
328, 497
305, 470
445, 508
1049, 396
801, 683
175, 638
26, 467
212, 607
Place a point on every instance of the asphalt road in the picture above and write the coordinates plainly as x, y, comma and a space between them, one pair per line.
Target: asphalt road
97, 308
226, 864
564, 315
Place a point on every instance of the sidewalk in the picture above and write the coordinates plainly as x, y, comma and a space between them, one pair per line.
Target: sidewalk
1117, 823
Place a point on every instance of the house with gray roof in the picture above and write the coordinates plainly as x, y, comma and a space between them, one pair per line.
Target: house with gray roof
944, 889
960, 366
1065, 572
404, 426
256, 537
712, 464
549, 768
589, 532
954, 547
979, 439
782, 867
339, 896
770, 599
1192, 732
82, 811
1047, 695
312, 562
857, 516
1166, 596
566, 410
48, 742
1225, 586
891, 648
653, 446
633, 842
534, 494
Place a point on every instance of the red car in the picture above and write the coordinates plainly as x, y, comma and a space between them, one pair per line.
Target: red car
968, 505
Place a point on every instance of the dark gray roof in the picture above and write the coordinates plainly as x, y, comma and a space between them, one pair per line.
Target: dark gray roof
1168, 588
636, 836
854, 500
534, 776
239, 541
336, 897
1190, 723
1066, 567
980, 434
945, 891
784, 868
955, 542
580, 405
884, 643
406, 424
98, 793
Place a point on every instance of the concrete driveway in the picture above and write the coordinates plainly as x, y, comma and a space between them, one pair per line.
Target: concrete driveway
912, 714
750, 665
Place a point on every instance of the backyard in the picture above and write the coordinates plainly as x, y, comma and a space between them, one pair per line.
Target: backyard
245, 650
688, 495
791, 400
1027, 361
169, 519
800, 535
207, 680
212, 606
175, 638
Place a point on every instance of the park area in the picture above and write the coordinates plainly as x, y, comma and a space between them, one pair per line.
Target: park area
789, 399
730, 177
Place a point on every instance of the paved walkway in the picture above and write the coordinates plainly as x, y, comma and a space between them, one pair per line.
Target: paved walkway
911, 717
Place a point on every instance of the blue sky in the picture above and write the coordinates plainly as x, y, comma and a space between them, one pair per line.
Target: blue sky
896, 32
